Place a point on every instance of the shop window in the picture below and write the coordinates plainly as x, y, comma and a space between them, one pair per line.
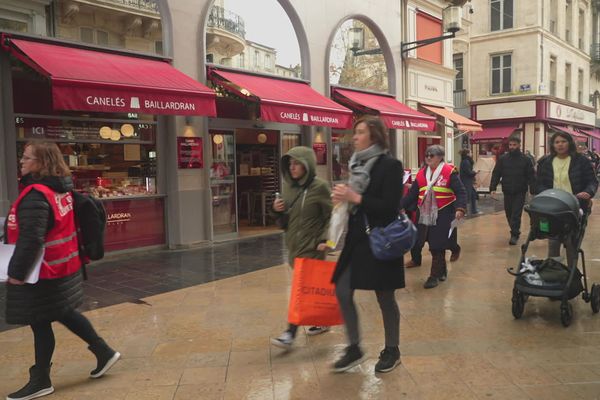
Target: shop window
429, 27
501, 73
501, 14
342, 151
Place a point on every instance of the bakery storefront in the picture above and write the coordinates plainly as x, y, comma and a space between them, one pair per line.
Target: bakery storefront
537, 117
259, 118
105, 111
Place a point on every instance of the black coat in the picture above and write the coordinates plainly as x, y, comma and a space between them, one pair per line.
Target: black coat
515, 172
380, 202
581, 175
467, 175
48, 299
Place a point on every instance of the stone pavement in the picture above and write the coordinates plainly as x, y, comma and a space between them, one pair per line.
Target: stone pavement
211, 340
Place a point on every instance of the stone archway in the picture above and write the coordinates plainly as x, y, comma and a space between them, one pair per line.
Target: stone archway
379, 41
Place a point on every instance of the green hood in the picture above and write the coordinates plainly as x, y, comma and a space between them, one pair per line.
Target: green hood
306, 156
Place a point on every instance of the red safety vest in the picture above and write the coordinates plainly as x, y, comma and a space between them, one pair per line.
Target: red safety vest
61, 250
443, 194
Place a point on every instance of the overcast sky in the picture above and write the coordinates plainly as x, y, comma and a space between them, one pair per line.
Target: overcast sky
267, 24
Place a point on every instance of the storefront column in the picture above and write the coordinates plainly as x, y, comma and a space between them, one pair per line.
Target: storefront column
8, 165
188, 194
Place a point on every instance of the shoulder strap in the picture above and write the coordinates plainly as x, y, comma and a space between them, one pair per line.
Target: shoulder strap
303, 190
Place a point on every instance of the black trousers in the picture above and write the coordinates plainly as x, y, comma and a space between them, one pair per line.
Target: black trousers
43, 335
417, 250
513, 208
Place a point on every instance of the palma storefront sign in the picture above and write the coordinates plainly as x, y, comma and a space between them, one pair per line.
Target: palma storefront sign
572, 114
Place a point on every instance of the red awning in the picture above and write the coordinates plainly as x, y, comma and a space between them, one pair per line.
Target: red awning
287, 101
572, 132
594, 133
394, 114
462, 123
494, 133
88, 80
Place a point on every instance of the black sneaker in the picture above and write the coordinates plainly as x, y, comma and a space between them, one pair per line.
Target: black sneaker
39, 385
514, 239
351, 358
431, 282
105, 357
389, 358
444, 276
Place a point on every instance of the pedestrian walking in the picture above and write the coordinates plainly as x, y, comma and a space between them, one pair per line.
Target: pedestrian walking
373, 192
514, 171
306, 207
441, 198
566, 169
467, 176
42, 220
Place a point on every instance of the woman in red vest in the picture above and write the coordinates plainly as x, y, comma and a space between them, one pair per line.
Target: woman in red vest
42, 220
441, 198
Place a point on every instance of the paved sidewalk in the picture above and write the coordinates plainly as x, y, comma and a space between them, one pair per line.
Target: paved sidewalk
458, 341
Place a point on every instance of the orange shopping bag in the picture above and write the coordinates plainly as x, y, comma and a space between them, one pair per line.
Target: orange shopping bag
313, 301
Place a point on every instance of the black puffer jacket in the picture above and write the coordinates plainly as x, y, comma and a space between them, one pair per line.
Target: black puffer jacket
581, 175
48, 299
515, 172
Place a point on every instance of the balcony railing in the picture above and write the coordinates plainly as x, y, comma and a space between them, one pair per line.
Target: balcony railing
144, 5
595, 52
226, 20
460, 98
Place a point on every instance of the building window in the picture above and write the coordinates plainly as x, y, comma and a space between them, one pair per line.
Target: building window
580, 86
242, 60
268, 61
256, 57
567, 81
87, 35
568, 21
158, 47
102, 38
552, 75
502, 14
13, 25
501, 73
581, 24
553, 16
429, 27
459, 67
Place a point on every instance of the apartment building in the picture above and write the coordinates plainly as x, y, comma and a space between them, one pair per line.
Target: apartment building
529, 67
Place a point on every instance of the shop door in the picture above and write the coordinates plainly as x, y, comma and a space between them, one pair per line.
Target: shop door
222, 182
423, 144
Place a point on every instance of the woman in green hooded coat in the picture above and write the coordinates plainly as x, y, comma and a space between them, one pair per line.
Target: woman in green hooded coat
306, 209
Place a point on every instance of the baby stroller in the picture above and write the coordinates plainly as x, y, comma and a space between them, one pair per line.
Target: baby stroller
554, 214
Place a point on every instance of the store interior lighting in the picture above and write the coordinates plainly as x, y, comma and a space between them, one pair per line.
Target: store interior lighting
115, 135
127, 130
105, 132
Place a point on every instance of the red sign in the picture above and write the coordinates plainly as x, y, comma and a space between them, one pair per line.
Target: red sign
134, 223
99, 99
411, 123
304, 116
320, 150
189, 152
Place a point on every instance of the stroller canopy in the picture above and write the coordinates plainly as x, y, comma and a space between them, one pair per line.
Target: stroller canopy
557, 207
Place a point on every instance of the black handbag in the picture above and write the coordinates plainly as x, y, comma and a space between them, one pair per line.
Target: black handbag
393, 241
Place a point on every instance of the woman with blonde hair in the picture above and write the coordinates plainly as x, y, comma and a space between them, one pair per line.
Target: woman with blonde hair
42, 221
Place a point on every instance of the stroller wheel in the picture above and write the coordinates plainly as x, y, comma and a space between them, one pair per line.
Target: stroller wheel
518, 304
566, 313
595, 298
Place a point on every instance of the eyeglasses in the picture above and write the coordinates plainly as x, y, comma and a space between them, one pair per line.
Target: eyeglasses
26, 158
429, 155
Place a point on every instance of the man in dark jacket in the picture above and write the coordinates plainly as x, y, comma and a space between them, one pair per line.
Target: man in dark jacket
514, 171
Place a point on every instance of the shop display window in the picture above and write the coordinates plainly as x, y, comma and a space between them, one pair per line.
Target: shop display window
342, 151
108, 158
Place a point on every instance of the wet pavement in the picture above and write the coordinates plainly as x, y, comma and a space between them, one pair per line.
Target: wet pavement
202, 331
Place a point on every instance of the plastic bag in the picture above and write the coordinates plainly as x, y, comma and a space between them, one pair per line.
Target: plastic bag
313, 300
337, 224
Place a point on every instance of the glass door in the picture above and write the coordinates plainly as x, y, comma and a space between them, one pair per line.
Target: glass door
222, 182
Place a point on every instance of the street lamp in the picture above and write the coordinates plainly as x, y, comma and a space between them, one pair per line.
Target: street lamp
356, 37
